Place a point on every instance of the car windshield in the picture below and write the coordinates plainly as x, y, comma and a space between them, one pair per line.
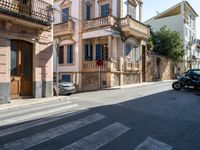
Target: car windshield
194, 73
197, 72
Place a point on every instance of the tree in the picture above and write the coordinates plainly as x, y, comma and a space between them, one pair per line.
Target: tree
167, 43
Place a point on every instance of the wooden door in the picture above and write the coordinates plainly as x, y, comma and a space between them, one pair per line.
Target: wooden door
21, 69
26, 69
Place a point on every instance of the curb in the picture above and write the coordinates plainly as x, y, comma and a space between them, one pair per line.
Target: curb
29, 102
138, 85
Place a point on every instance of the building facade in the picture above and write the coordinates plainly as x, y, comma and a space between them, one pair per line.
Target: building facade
197, 54
182, 19
102, 44
26, 52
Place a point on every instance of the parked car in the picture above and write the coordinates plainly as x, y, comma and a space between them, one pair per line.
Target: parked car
191, 79
64, 88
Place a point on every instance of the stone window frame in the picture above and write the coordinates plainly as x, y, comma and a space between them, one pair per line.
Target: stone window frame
66, 4
87, 3
104, 2
65, 55
132, 3
134, 44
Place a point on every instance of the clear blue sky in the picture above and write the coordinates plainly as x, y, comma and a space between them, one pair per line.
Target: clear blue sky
150, 7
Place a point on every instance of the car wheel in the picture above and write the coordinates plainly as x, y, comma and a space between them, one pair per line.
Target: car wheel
177, 86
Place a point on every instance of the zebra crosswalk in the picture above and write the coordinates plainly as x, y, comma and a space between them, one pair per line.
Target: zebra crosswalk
30, 138
51, 125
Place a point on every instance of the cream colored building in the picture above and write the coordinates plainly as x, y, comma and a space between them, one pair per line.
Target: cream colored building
182, 19
91, 32
26, 52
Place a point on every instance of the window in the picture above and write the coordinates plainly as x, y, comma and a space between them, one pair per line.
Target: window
102, 51
14, 55
65, 15
69, 54
136, 54
104, 10
132, 52
88, 12
132, 11
66, 78
61, 55
105, 52
98, 52
128, 49
88, 52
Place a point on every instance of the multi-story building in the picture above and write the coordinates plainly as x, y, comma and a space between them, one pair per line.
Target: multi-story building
182, 19
108, 33
197, 54
26, 52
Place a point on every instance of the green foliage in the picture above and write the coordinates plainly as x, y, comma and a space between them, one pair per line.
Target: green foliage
167, 43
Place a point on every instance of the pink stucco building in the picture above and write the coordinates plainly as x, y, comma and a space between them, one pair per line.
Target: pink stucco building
26, 49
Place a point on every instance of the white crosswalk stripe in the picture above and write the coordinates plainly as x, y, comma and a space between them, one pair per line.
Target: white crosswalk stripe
49, 134
99, 138
39, 114
28, 109
36, 123
153, 144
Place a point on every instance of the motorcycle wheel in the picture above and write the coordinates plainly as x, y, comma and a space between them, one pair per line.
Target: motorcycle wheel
177, 86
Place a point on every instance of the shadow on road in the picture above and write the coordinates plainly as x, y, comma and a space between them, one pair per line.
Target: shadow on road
171, 117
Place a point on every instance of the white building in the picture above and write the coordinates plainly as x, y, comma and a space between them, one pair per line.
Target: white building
197, 54
182, 19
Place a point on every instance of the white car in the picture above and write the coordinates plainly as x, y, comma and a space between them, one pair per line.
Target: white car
64, 88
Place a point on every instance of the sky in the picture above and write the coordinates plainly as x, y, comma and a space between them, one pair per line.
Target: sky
150, 7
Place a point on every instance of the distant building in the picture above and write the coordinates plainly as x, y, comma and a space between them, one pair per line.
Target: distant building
91, 32
26, 52
197, 54
182, 19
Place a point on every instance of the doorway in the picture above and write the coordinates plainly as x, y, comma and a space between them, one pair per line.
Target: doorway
21, 69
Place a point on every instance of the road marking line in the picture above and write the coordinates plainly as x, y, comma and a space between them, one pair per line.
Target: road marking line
37, 114
153, 144
49, 134
99, 138
32, 124
27, 110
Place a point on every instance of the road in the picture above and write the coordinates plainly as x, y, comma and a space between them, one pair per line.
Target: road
150, 117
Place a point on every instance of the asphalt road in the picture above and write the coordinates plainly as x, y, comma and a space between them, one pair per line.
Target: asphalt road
151, 117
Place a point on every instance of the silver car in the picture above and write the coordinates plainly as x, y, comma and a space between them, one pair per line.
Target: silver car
64, 88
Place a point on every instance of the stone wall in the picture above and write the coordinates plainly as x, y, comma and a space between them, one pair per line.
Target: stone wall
131, 78
115, 79
158, 68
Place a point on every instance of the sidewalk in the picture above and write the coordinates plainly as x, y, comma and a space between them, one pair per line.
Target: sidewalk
139, 84
31, 101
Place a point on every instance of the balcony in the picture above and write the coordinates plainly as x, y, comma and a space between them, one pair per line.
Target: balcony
35, 10
134, 27
131, 66
63, 29
95, 24
89, 66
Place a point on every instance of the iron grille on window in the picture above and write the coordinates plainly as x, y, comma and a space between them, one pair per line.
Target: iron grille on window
33, 10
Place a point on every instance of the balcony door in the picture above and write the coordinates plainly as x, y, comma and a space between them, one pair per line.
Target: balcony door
21, 68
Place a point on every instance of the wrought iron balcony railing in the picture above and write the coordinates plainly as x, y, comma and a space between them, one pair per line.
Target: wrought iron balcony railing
33, 10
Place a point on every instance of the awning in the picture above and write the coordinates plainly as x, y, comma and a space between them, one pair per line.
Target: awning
67, 42
100, 33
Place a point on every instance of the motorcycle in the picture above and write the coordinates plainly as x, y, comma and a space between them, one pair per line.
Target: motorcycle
191, 79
